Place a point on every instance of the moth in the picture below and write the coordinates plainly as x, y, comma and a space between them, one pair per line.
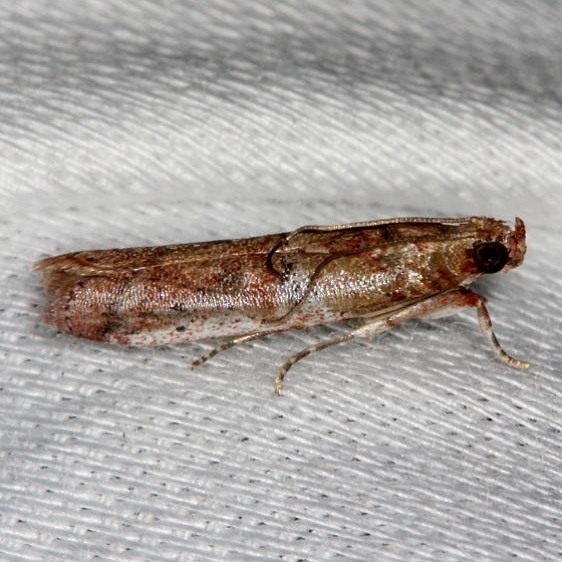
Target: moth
371, 275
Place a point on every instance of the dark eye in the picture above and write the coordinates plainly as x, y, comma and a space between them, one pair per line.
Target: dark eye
490, 256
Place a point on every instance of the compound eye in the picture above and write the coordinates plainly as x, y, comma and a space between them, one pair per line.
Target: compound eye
490, 256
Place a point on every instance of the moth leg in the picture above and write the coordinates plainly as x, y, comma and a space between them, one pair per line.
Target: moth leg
227, 345
368, 328
437, 306
304, 353
486, 326
442, 305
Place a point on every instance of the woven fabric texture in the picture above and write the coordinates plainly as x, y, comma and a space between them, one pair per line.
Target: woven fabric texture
141, 123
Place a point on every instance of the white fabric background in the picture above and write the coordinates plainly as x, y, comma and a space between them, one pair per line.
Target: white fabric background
126, 123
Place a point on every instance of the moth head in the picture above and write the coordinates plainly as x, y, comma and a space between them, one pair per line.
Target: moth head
501, 247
